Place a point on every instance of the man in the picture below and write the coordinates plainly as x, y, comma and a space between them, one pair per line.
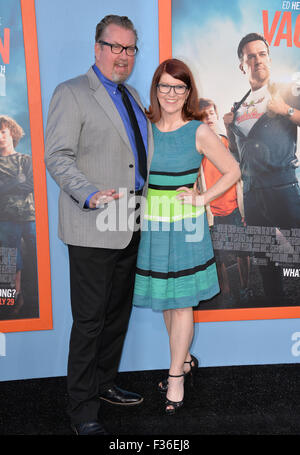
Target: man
93, 155
17, 210
224, 210
262, 132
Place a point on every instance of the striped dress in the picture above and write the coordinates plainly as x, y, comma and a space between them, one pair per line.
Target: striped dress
176, 265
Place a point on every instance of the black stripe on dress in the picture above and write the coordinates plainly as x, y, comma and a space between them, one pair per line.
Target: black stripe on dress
191, 171
180, 273
169, 187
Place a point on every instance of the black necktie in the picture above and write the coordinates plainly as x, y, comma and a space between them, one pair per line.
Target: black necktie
137, 133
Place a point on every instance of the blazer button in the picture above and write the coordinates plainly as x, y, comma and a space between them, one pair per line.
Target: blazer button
130, 165
131, 192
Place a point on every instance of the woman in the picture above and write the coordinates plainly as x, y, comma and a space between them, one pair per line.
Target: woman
176, 267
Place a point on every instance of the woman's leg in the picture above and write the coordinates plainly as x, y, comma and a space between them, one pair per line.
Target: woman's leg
181, 330
167, 318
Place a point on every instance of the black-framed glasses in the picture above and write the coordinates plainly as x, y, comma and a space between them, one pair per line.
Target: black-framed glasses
179, 89
118, 48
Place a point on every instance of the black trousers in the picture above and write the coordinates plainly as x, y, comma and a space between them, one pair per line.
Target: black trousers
102, 283
277, 206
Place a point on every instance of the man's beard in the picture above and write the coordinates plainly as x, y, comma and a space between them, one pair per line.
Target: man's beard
117, 78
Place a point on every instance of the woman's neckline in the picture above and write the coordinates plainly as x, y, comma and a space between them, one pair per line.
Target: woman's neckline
175, 129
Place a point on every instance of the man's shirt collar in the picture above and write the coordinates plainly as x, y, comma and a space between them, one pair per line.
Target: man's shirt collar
109, 85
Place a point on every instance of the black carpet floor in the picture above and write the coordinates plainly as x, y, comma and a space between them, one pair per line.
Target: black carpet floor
239, 400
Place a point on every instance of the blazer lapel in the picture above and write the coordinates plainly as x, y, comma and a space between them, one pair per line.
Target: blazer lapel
107, 104
105, 101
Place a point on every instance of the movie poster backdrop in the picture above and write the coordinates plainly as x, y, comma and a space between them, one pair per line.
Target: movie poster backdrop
24, 279
258, 261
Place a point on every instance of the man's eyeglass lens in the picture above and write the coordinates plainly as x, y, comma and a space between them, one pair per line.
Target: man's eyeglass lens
118, 48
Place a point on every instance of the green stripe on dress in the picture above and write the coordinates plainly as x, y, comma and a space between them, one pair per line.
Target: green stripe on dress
163, 206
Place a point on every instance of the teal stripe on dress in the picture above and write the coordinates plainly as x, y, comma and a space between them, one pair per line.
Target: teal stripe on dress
176, 292
185, 285
172, 180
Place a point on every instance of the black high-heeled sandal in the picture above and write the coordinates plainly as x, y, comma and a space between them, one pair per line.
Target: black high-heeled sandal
194, 367
163, 385
196, 362
176, 405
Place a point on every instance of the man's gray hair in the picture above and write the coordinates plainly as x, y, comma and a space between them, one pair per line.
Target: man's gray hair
121, 21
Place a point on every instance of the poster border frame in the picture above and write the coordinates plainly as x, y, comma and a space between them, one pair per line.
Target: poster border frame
215, 315
44, 321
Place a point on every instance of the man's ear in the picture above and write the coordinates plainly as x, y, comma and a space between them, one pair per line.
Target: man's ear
241, 67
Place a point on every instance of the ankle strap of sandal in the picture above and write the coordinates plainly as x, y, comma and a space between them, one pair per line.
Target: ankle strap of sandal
176, 376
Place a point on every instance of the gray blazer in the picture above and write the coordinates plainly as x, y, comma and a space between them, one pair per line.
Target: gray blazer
86, 150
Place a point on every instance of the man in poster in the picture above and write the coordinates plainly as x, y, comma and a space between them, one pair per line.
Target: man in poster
262, 130
91, 148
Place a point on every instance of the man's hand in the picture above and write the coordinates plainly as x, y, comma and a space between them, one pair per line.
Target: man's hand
103, 197
276, 105
228, 119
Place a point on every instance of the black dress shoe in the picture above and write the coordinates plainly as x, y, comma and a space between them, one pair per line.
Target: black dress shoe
89, 428
115, 395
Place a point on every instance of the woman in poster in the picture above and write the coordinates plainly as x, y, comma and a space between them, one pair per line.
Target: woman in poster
176, 266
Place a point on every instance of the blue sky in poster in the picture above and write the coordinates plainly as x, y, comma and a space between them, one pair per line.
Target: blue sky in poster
191, 10
15, 103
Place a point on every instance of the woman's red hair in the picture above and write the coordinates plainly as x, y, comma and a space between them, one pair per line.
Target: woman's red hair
179, 70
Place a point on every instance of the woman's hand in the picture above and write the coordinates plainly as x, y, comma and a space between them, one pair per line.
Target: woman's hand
190, 196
